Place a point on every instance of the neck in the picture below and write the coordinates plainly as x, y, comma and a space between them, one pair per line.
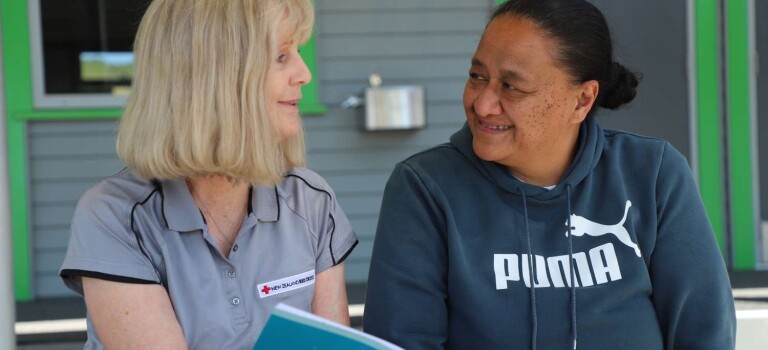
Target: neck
224, 204
548, 168
217, 191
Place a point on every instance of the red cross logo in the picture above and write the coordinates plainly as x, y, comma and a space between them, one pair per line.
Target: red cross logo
266, 289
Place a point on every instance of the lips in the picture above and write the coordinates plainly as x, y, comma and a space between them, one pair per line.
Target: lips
495, 127
292, 103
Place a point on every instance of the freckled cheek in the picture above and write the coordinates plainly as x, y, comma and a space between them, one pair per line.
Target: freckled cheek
534, 120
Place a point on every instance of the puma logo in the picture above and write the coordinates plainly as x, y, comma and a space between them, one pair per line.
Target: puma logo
582, 226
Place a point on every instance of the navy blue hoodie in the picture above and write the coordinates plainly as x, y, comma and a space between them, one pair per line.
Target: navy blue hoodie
459, 237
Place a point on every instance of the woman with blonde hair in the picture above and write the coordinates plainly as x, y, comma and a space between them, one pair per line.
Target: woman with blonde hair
214, 221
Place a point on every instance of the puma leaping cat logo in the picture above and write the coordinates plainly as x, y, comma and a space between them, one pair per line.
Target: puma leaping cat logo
582, 226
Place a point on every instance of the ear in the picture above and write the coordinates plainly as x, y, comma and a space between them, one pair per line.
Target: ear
587, 94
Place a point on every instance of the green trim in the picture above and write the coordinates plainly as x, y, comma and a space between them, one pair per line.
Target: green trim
114, 113
18, 96
69, 114
310, 102
706, 13
16, 55
22, 267
739, 94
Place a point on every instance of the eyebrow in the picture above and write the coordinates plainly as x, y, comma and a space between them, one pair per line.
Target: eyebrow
506, 73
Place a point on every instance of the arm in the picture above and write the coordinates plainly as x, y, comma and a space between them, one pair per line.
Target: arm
691, 290
132, 316
407, 283
330, 299
335, 241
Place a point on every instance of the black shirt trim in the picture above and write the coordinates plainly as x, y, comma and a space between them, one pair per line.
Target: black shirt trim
344, 257
333, 221
69, 273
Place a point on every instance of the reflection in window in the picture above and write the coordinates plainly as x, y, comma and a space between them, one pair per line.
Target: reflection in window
87, 44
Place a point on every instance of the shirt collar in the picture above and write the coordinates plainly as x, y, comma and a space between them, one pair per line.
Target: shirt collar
182, 214
264, 203
179, 208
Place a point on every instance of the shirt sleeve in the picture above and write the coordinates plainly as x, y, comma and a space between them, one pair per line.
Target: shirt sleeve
691, 290
336, 238
407, 289
103, 245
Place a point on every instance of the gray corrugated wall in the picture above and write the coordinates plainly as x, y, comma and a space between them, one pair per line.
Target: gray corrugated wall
426, 42
65, 159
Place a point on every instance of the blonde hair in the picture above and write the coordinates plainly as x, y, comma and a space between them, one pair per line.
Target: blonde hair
198, 105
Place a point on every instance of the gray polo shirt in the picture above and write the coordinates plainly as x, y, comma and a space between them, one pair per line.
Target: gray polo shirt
129, 229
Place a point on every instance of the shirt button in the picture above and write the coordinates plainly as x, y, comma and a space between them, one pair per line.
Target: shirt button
235, 301
231, 273
234, 249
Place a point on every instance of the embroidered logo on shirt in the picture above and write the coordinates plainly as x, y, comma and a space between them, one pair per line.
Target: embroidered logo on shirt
581, 226
286, 284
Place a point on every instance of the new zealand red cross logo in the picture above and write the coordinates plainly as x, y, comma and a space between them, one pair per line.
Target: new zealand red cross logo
266, 289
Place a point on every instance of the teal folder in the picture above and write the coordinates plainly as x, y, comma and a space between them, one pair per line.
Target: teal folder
291, 328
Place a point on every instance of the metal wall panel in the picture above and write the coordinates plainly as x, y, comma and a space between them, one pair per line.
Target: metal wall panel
651, 37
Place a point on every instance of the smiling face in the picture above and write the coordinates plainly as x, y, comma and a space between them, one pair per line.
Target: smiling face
522, 107
286, 74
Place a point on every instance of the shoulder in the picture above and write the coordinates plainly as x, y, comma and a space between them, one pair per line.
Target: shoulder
651, 153
631, 146
624, 141
436, 159
306, 193
107, 208
305, 182
115, 195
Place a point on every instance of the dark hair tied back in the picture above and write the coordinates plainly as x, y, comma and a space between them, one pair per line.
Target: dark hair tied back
620, 90
585, 45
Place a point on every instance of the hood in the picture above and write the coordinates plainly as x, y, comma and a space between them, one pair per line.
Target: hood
589, 149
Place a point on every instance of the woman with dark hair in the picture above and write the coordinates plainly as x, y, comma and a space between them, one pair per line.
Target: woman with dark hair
534, 227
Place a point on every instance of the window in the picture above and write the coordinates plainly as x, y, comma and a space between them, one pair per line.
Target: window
82, 53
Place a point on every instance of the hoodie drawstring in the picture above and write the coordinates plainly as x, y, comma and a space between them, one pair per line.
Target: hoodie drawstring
570, 266
531, 268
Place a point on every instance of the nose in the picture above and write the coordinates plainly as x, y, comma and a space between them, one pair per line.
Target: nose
487, 102
301, 75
